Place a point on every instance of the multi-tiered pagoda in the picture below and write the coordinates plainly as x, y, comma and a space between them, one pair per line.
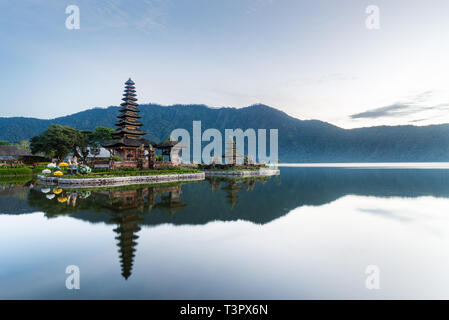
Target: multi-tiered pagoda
128, 124
128, 147
128, 143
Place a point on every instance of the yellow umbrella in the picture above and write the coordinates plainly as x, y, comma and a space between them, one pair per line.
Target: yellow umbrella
57, 191
63, 164
57, 173
62, 199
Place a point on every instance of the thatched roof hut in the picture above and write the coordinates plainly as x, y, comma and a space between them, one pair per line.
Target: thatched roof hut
13, 152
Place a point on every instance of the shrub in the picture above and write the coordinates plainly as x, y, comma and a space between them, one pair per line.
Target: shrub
116, 158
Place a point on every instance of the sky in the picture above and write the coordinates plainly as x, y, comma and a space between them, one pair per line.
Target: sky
311, 59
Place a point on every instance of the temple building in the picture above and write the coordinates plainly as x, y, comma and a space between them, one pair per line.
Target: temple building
128, 147
231, 156
171, 149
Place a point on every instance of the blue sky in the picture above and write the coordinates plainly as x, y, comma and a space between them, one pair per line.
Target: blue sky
311, 59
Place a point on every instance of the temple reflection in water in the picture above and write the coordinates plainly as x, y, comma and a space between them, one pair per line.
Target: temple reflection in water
258, 201
128, 208
232, 186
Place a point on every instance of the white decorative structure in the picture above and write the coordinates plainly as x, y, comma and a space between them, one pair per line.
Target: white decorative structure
45, 190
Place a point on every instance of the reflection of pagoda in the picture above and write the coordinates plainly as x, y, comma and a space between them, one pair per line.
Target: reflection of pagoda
171, 200
128, 226
232, 188
249, 184
128, 207
127, 199
125, 203
214, 184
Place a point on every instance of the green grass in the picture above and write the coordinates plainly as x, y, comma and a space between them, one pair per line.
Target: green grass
15, 172
38, 169
8, 180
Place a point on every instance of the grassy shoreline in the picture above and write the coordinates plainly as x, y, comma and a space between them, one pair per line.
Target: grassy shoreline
15, 172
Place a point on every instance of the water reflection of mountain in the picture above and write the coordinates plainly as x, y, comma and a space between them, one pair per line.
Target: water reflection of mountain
259, 201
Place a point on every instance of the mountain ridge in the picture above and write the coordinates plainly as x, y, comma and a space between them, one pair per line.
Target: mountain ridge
299, 140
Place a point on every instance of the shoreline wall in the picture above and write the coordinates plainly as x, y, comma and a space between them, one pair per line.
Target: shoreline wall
249, 173
119, 181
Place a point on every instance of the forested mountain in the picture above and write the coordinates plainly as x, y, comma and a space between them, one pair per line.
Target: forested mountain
299, 140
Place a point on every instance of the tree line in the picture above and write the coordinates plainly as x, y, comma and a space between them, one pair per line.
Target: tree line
59, 141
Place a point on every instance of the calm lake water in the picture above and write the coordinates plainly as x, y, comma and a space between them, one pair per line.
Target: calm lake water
309, 233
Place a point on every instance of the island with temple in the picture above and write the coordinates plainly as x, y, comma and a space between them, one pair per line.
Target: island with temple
134, 159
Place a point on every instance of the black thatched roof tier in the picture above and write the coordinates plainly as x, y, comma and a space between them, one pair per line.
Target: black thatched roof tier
130, 93
122, 131
129, 98
128, 115
124, 104
129, 82
128, 108
128, 143
126, 122
13, 151
167, 144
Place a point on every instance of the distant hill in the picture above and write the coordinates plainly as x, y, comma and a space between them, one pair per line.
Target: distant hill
299, 140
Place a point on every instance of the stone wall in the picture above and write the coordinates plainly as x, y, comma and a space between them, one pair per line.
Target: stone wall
248, 173
119, 181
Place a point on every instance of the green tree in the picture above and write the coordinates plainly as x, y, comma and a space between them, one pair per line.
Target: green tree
89, 142
4, 143
102, 134
24, 144
96, 138
83, 141
58, 141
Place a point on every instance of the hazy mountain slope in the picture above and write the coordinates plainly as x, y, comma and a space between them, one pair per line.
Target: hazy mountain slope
299, 141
